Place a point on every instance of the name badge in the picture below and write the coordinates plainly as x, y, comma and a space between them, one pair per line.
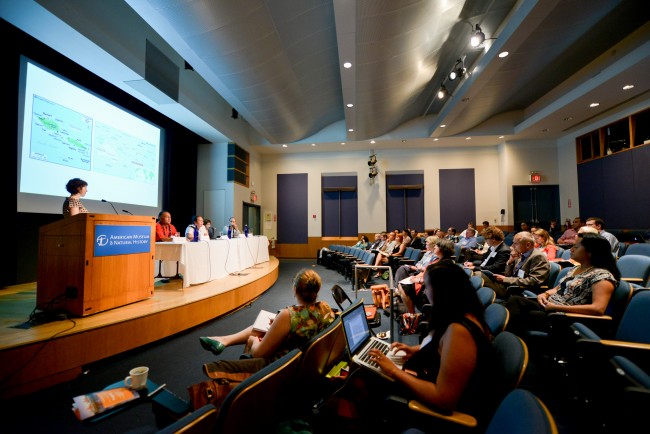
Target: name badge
521, 273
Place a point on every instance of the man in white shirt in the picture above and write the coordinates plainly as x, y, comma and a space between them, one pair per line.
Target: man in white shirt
599, 224
196, 228
234, 229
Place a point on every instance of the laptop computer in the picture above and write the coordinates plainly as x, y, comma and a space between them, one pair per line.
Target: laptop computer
359, 340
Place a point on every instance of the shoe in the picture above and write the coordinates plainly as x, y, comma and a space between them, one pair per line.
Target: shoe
215, 347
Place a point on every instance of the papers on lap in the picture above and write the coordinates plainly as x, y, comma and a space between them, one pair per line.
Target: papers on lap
263, 321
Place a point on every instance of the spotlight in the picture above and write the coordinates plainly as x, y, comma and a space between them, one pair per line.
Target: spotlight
458, 71
372, 160
443, 92
477, 37
372, 172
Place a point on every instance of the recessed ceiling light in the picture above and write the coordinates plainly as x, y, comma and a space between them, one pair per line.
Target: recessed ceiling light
436, 139
468, 138
594, 104
443, 125
628, 86
372, 141
403, 140
350, 105
568, 118
501, 137
503, 54
342, 143
284, 146
350, 129
313, 144
347, 65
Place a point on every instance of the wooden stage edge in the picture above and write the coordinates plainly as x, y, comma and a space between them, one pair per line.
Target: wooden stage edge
52, 353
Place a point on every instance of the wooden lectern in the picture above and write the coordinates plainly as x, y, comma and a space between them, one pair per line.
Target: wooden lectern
77, 275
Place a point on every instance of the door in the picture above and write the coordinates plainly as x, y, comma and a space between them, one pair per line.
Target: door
252, 215
536, 204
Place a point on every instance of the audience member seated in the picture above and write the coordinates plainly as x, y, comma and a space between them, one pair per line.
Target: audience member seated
363, 243
569, 236
417, 240
412, 289
545, 243
234, 229
486, 224
599, 224
408, 270
292, 328
526, 268
377, 243
554, 228
467, 242
440, 233
524, 227
495, 259
451, 235
391, 247
450, 370
586, 289
470, 225
196, 230
165, 230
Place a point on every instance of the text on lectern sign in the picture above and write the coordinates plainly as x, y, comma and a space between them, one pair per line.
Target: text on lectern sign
122, 240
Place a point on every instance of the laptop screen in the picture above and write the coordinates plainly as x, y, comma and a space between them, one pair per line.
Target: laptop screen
355, 325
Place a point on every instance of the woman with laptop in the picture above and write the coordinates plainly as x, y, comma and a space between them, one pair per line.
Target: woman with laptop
453, 366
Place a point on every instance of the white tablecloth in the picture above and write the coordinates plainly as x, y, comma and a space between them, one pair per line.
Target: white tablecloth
202, 261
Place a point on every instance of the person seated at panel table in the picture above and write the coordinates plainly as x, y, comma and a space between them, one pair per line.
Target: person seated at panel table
451, 369
234, 229
212, 231
197, 225
569, 236
527, 267
586, 289
495, 258
72, 205
292, 328
165, 230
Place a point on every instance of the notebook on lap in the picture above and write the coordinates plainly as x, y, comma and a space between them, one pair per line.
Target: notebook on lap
359, 339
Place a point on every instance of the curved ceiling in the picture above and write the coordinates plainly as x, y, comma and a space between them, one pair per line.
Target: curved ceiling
279, 64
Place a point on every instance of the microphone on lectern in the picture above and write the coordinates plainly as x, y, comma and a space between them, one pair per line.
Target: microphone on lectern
104, 200
128, 212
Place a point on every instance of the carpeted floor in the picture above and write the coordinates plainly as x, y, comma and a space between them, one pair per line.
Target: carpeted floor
177, 361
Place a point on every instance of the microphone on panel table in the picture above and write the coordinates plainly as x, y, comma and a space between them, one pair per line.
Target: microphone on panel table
127, 211
104, 200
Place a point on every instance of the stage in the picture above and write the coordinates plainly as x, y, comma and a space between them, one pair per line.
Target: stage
33, 356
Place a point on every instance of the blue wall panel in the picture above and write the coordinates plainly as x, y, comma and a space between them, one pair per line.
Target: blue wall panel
457, 198
292, 208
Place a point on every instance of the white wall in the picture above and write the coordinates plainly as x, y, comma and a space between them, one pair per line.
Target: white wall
497, 170
372, 198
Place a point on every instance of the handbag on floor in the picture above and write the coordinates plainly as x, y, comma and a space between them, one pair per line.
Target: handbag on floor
215, 391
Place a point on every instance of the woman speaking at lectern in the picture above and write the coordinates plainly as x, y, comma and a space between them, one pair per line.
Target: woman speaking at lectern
72, 205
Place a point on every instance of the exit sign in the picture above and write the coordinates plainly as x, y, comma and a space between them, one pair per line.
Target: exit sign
535, 177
